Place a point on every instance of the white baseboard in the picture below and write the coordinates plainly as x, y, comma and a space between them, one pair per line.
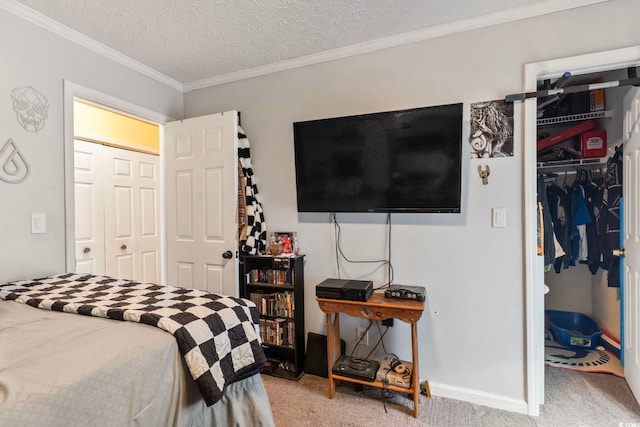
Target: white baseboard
479, 397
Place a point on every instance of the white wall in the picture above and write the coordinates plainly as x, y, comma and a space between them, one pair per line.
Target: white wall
472, 334
32, 56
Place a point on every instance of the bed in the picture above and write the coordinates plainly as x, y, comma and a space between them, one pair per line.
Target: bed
65, 361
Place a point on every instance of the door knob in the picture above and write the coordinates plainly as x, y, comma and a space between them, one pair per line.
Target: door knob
619, 252
86, 250
123, 247
227, 255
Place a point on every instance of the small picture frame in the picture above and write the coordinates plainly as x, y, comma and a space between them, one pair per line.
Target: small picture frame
283, 242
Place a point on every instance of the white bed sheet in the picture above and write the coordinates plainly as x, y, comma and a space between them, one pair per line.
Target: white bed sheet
62, 369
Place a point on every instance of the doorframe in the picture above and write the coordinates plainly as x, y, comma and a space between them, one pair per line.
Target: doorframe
74, 91
534, 277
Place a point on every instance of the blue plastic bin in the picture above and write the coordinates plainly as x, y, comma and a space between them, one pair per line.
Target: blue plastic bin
573, 329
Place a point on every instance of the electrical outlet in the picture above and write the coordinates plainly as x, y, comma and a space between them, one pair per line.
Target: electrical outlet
359, 333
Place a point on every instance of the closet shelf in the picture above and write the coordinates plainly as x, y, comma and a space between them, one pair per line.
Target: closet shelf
575, 164
575, 117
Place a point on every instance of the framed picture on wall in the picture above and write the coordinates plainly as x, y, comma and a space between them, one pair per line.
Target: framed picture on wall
491, 129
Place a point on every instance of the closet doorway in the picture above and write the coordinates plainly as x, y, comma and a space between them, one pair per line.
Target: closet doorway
117, 193
534, 73
195, 195
73, 92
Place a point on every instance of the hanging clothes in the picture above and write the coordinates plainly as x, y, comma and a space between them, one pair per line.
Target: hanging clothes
593, 199
560, 210
547, 229
585, 219
255, 233
581, 218
610, 214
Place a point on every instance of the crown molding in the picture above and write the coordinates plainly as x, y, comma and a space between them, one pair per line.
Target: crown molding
529, 11
63, 31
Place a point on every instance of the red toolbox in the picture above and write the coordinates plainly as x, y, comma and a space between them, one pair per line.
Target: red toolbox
594, 143
566, 134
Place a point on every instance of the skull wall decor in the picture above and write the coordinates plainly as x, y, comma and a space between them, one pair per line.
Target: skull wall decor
13, 167
31, 107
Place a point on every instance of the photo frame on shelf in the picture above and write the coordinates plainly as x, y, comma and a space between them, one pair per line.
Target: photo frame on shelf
283, 243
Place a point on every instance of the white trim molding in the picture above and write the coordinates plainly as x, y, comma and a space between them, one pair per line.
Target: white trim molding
529, 11
491, 400
72, 35
510, 15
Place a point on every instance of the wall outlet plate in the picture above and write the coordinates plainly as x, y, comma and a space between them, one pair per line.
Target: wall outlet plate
38, 223
360, 332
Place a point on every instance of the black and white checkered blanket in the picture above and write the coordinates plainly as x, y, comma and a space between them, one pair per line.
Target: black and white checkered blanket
218, 336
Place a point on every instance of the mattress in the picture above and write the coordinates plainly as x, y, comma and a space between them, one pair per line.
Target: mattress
217, 335
63, 369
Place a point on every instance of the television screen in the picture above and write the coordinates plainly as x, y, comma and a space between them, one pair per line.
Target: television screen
397, 161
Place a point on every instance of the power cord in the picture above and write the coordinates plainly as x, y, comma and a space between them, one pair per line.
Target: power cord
395, 365
360, 363
337, 230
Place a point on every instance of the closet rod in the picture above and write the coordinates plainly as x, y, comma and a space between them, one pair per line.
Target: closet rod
633, 81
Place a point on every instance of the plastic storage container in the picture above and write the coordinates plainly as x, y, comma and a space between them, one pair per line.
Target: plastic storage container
594, 143
573, 329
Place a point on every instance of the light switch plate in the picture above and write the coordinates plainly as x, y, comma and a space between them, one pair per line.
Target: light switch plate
38, 223
499, 218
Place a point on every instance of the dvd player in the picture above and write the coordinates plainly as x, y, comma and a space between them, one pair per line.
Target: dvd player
355, 290
361, 369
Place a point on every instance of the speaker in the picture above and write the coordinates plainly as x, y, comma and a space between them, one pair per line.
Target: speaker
316, 357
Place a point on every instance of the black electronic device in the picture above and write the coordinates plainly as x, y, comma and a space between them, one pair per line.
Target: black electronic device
395, 161
352, 367
330, 288
414, 293
354, 290
357, 290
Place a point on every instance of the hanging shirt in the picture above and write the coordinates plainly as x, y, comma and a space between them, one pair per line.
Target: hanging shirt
580, 218
611, 212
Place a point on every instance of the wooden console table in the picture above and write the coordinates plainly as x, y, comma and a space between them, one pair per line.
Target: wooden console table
376, 308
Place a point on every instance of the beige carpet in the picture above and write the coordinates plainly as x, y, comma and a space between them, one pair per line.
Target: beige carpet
572, 399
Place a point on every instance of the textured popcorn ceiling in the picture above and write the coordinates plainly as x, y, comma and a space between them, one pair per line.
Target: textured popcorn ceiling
191, 40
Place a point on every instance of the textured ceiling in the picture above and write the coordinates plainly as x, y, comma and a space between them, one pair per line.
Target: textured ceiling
193, 40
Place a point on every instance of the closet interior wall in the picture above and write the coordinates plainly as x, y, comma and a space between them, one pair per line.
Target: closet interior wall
577, 288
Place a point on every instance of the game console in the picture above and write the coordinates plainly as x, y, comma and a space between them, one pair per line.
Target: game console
353, 367
413, 293
355, 290
395, 372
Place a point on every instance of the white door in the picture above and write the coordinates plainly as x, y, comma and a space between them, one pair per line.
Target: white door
117, 212
201, 158
89, 208
131, 209
631, 233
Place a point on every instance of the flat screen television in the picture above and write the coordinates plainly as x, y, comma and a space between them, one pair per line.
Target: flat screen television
396, 161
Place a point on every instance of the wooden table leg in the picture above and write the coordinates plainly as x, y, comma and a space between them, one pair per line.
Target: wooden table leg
333, 349
415, 374
427, 389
